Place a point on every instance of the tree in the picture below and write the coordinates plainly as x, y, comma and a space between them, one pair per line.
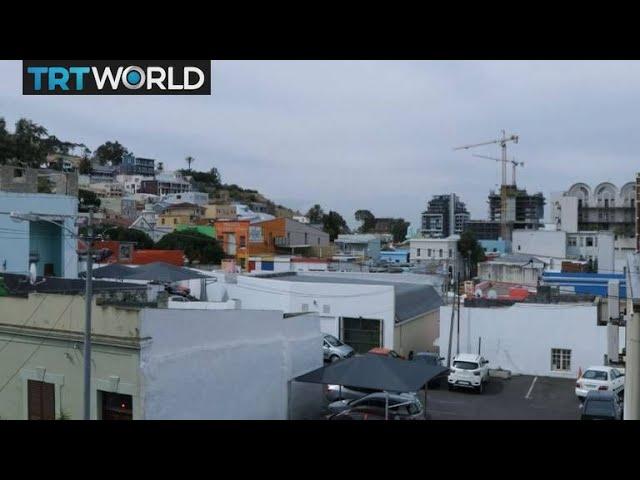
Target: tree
315, 214
85, 166
189, 161
87, 199
368, 221
110, 152
399, 230
121, 234
196, 246
334, 225
470, 250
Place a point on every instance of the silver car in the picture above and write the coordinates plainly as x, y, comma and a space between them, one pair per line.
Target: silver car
400, 404
333, 349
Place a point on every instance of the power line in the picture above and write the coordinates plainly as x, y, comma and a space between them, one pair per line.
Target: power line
38, 346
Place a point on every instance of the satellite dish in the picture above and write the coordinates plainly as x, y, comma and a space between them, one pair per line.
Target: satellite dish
32, 274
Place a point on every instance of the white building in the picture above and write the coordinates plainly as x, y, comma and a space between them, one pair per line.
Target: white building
153, 363
554, 340
197, 198
512, 268
131, 183
363, 310
555, 246
443, 251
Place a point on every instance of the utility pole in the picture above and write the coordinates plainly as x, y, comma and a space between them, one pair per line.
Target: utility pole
88, 294
458, 308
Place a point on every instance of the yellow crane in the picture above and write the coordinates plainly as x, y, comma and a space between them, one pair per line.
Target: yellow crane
502, 141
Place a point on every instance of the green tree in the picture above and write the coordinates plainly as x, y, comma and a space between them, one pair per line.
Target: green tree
110, 152
85, 166
315, 214
122, 234
196, 246
87, 199
334, 225
368, 221
470, 250
399, 229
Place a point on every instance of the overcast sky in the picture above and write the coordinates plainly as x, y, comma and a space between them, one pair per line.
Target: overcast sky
364, 134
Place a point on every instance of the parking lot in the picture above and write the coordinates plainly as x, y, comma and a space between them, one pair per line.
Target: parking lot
521, 397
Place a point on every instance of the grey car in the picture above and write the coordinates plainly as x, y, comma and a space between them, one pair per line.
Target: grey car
333, 349
403, 404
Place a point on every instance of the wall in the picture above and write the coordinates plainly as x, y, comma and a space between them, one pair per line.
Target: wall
418, 334
510, 273
14, 235
520, 338
344, 300
49, 327
228, 364
545, 243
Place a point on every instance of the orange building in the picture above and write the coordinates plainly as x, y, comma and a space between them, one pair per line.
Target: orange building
240, 239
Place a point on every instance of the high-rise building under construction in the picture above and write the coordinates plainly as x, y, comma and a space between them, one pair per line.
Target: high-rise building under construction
523, 211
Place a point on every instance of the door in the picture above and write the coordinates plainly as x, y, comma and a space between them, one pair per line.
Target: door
231, 244
116, 406
362, 334
41, 400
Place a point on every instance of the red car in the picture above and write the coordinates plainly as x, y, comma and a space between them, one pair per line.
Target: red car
386, 352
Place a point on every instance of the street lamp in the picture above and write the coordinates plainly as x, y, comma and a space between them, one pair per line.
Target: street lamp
88, 292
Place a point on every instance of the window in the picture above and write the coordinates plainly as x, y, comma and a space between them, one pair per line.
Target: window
418, 253
428, 252
589, 241
560, 359
243, 241
306, 238
518, 247
162, 221
572, 242
116, 406
41, 401
318, 240
175, 221
440, 253
449, 253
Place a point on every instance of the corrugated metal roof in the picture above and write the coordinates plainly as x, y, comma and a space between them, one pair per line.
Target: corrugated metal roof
412, 299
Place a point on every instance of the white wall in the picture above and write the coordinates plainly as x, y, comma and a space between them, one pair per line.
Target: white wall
228, 364
545, 243
344, 300
520, 338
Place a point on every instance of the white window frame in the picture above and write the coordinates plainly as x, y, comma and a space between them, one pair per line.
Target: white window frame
563, 355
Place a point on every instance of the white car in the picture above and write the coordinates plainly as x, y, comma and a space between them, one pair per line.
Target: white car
468, 371
600, 378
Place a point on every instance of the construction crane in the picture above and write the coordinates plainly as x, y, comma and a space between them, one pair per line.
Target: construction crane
506, 232
513, 161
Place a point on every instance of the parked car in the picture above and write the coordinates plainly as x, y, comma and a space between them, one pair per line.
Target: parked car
469, 371
344, 392
406, 405
386, 352
334, 350
369, 413
600, 379
431, 359
601, 405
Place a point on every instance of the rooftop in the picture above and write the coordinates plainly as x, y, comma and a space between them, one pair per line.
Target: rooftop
411, 299
19, 285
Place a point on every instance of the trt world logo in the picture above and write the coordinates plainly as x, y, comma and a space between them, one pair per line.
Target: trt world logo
116, 77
